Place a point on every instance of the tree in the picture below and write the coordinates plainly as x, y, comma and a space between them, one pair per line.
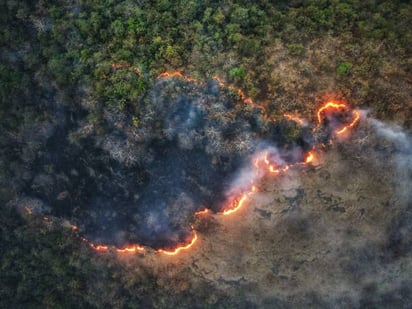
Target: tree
344, 68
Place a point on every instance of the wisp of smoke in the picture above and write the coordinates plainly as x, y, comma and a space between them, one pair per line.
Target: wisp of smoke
193, 147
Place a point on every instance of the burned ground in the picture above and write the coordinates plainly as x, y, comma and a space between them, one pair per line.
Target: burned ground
329, 234
143, 183
78, 88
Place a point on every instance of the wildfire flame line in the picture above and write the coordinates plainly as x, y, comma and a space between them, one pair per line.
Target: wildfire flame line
245, 99
338, 106
99, 248
294, 118
132, 249
180, 248
352, 124
261, 163
309, 157
202, 212
237, 205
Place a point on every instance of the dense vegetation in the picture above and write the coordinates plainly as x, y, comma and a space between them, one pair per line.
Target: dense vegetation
102, 57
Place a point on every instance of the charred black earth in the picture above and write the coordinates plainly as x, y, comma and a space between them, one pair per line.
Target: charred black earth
141, 176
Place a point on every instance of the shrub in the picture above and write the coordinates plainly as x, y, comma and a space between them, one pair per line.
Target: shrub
344, 68
237, 72
296, 49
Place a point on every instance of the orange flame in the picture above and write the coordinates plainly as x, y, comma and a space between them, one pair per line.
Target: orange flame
104, 248
332, 105
170, 75
245, 99
273, 170
131, 249
295, 119
180, 248
266, 160
309, 157
327, 106
99, 248
202, 212
349, 126
237, 205
261, 161
177, 74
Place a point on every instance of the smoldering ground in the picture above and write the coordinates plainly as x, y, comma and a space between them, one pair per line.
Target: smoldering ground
351, 230
334, 235
144, 174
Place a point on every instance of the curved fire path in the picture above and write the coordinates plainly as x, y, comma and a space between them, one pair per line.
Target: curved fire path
337, 115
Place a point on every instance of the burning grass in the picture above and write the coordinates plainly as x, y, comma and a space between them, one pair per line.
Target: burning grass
194, 145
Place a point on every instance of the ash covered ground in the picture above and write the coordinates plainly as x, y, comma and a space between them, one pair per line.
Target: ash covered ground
336, 233
83, 122
141, 180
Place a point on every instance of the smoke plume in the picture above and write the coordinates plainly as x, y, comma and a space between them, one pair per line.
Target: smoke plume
190, 145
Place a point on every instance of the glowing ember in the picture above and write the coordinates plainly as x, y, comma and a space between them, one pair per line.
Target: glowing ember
180, 248
266, 160
170, 75
99, 248
309, 157
272, 169
237, 205
177, 74
132, 249
329, 105
202, 212
354, 121
296, 119
264, 163
332, 106
245, 99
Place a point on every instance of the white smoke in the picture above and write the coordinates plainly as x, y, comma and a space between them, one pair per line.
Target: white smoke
398, 142
393, 133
